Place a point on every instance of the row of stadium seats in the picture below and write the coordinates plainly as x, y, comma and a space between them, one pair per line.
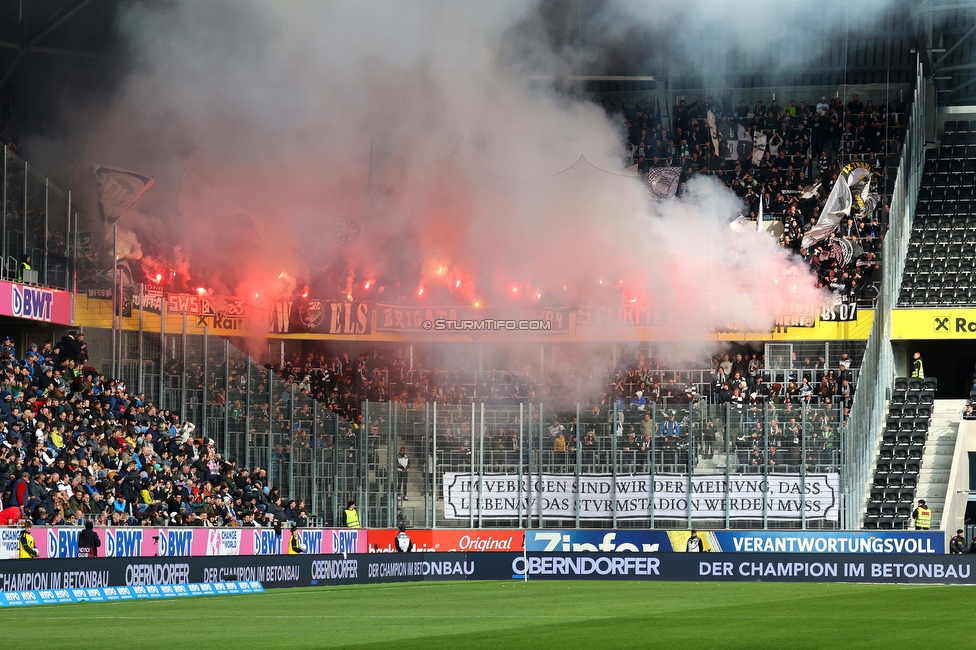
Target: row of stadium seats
900, 455
940, 267
959, 126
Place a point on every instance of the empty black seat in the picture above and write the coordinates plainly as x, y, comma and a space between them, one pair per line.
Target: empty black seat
912, 468
901, 383
896, 481
873, 512
877, 496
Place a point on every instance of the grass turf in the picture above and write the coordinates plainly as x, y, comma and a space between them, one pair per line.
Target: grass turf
539, 614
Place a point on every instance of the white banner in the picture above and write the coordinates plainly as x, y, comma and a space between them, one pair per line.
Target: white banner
559, 497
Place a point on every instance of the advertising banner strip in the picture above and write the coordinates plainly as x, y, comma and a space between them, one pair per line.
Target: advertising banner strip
108, 594
778, 497
90, 579
62, 542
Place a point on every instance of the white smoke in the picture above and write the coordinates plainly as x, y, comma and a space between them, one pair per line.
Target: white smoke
265, 123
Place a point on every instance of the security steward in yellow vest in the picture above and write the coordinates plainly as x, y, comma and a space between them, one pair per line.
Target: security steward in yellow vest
27, 547
295, 546
351, 516
24, 266
918, 372
922, 516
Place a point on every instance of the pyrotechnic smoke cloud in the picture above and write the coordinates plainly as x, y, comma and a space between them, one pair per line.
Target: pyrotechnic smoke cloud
278, 131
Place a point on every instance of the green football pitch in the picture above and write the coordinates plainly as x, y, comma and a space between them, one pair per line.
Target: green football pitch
508, 615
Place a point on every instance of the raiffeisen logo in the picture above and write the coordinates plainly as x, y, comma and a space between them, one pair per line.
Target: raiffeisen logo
574, 542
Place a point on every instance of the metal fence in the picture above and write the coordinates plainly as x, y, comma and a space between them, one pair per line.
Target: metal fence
773, 466
36, 219
868, 411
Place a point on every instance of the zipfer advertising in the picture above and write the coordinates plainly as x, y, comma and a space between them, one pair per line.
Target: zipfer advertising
321, 570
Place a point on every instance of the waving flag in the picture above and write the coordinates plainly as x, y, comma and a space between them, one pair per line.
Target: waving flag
837, 207
118, 190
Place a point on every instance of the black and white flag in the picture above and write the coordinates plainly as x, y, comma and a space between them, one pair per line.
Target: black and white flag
837, 207
662, 182
118, 189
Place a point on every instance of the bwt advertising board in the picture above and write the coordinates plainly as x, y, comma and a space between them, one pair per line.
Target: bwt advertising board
323, 570
35, 303
62, 542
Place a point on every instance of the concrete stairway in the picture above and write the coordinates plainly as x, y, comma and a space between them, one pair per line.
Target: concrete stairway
937, 460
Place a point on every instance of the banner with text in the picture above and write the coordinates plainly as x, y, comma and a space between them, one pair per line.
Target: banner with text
62, 542
558, 496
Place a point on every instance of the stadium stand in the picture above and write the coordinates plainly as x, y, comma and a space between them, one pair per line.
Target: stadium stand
900, 454
79, 446
939, 268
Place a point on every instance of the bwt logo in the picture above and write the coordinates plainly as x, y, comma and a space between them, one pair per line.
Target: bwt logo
123, 543
345, 541
311, 540
31, 302
266, 542
175, 543
62, 543
959, 325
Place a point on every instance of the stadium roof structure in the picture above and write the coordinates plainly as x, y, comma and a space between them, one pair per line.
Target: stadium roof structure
947, 44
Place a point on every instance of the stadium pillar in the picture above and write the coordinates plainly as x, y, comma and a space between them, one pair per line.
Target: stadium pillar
335, 471
47, 190
579, 456
162, 351
653, 455
115, 279
428, 461
529, 471
520, 445
70, 242
471, 455
313, 501
728, 458
433, 510
247, 412
183, 410
203, 384
3, 211
765, 472
613, 462
803, 468
291, 438
226, 404
271, 412
140, 373
481, 461
539, 500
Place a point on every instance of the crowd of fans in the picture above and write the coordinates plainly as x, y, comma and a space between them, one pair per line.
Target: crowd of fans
77, 446
342, 383
793, 148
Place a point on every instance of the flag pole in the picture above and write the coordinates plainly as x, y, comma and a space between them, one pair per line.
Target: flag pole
115, 299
